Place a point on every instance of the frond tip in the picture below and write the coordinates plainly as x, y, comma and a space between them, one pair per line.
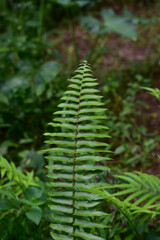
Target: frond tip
78, 155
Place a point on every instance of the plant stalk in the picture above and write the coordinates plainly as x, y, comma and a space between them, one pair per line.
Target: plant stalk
74, 160
41, 18
73, 36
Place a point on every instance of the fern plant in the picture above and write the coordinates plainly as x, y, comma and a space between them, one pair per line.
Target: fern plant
77, 155
136, 196
142, 190
154, 92
142, 185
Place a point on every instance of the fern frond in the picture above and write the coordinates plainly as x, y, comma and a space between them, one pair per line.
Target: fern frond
141, 194
78, 155
142, 186
154, 91
126, 209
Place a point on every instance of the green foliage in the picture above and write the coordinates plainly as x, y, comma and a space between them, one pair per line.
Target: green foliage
136, 198
23, 201
112, 22
40, 42
120, 24
16, 175
133, 143
76, 158
27, 69
154, 91
142, 189
70, 3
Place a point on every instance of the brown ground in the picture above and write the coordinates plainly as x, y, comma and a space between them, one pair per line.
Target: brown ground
151, 110
151, 119
120, 53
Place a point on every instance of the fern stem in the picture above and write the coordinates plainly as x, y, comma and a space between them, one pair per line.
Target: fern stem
75, 154
41, 17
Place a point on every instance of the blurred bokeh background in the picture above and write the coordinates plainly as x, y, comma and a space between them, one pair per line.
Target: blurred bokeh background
41, 44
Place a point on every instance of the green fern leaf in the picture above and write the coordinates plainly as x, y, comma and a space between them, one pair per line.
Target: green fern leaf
141, 193
78, 156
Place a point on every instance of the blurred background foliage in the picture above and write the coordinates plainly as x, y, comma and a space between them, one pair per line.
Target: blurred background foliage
41, 43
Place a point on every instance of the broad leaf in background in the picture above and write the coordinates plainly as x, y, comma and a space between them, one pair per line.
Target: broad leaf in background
119, 150
33, 159
4, 146
47, 72
119, 24
123, 25
92, 24
33, 193
3, 98
65, 3
14, 85
86, 2
35, 215
80, 3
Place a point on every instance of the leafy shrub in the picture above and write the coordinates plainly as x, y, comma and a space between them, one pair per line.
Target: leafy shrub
23, 204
